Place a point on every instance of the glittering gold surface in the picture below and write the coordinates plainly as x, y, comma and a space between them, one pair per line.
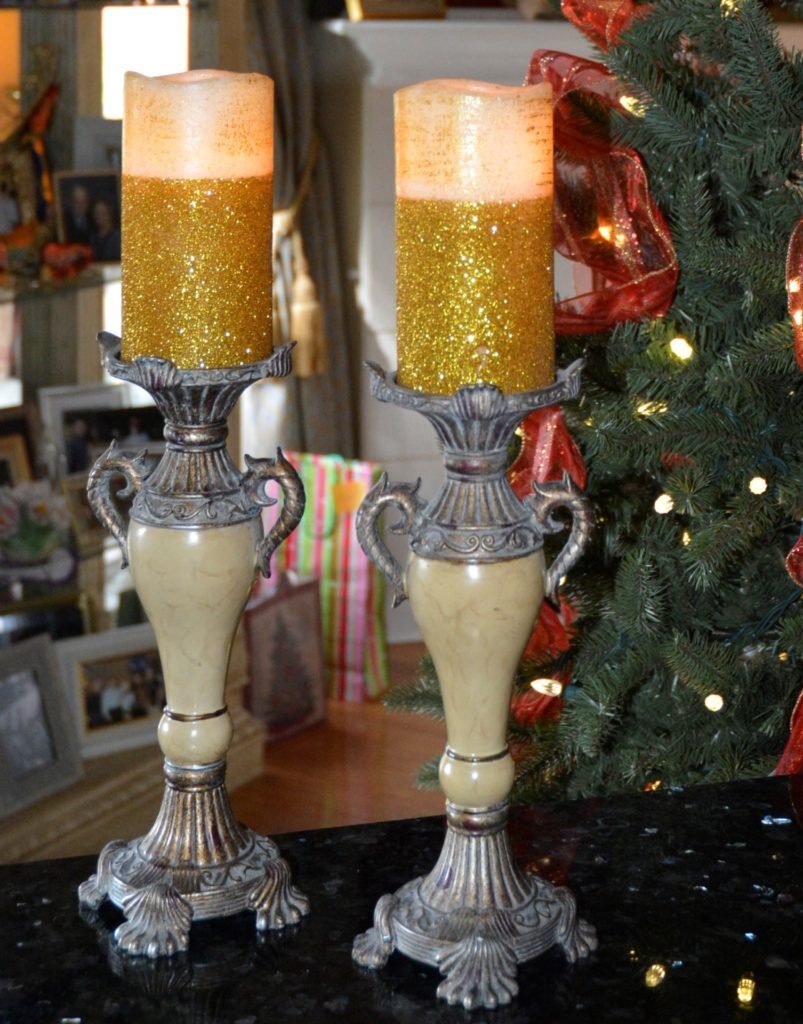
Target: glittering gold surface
197, 269
474, 294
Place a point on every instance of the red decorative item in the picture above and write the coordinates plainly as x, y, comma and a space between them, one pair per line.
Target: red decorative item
605, 216
794, 287
530, 707
547, 451
791, 760
603, 21
66, 259
552, 633
794, 562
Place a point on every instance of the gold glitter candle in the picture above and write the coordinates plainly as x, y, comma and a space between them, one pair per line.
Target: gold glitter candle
197, 210
474, 292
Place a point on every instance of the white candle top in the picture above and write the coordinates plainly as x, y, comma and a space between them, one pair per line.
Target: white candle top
463, 140
198, 124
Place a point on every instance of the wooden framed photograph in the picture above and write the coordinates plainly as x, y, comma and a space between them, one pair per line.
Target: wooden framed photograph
38, 745
116, 687
22, 421
90, 535
80, 422
14, 464
287, 680
88, 211
363, 9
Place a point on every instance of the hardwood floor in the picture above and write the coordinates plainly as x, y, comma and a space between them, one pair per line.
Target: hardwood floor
356, 767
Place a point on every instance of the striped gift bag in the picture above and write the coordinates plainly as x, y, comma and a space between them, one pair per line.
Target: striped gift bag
325, 546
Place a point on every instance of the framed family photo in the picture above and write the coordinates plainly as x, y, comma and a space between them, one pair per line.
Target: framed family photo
82, 420
88, 211
39, 751
116, 687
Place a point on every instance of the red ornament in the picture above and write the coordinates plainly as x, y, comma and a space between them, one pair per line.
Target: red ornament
794, 287
603, 21
605, 216
794, 562
675, 460
791, 760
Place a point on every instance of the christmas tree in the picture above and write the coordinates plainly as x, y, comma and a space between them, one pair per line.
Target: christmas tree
685, 654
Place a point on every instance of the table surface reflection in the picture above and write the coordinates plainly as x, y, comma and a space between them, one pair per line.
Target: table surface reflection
692, 892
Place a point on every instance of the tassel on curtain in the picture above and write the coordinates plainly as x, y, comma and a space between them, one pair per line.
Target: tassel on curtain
298, 315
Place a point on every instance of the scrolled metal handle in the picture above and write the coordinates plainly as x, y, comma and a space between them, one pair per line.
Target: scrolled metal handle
383, 495
260, 471
547, 497
112, 463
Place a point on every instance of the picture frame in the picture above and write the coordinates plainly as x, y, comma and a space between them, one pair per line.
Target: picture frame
39, 752
88, 211
360, 10
60, 612
23, 421
116, 688
97, 143
15, 466
287, 676
62, 407
90, 535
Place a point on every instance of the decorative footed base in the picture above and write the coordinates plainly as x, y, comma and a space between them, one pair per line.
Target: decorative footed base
475, 916
196, 862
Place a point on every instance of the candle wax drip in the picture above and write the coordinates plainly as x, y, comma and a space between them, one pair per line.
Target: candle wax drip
474, 294
197, 273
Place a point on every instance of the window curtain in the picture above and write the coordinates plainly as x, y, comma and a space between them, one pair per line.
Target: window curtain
313, 410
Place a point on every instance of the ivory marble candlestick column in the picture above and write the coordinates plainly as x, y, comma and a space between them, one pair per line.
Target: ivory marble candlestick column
475, 579
194, 538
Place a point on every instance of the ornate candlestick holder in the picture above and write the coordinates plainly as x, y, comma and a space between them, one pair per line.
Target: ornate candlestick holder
475, 578
195, 544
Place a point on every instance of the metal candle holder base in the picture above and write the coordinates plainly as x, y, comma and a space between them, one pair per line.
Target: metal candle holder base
476, 578
192, 513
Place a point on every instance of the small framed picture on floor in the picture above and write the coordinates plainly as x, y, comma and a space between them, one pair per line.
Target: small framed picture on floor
287, 681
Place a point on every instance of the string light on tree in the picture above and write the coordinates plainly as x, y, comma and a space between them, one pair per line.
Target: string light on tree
758, 485
664, 504
680, 348
633, 105
605, 231
685, 538
654, 975
651, 408
746, 990
549, 687
714, 702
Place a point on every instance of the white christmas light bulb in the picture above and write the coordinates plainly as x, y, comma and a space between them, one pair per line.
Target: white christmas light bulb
680, 348
758, 485
664, 503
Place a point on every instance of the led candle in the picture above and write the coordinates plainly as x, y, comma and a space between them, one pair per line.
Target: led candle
197, 208
474, 291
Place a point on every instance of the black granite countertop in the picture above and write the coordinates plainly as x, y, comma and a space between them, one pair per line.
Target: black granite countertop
690, 891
